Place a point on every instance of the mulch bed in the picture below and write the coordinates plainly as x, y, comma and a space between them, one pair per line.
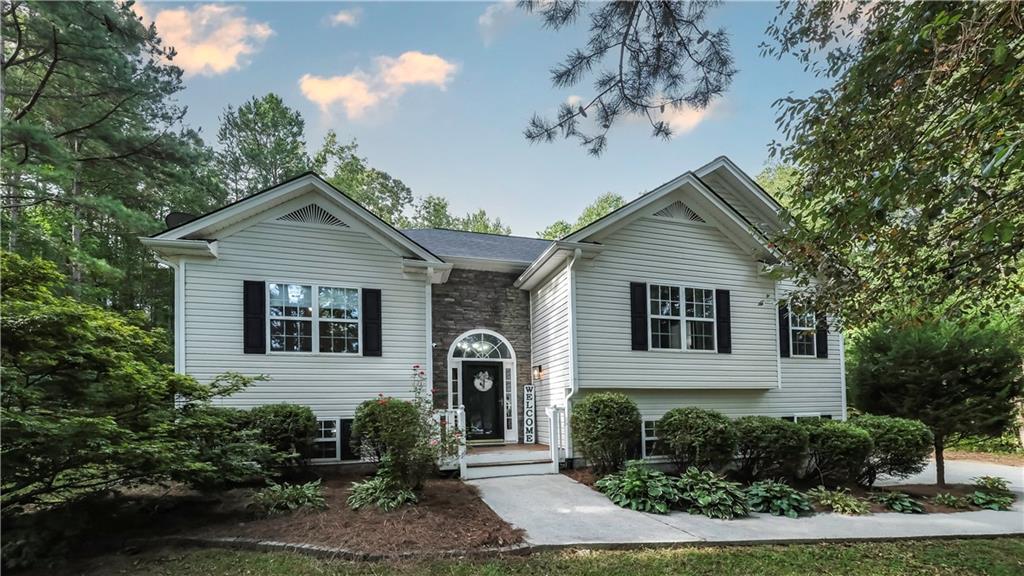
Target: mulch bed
990, 457
584, 476
449, 516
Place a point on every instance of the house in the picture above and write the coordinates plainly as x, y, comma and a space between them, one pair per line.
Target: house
665, 300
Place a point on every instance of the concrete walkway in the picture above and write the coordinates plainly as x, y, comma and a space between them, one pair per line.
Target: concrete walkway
557, 511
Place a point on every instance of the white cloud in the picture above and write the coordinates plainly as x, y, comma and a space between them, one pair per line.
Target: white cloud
209, 39
345, 17
357, 92
493, 18
573, 100
685, 119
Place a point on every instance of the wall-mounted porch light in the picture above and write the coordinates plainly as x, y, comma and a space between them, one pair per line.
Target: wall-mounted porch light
538, 372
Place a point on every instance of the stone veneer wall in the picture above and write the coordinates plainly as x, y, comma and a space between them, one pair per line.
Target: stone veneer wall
480, 299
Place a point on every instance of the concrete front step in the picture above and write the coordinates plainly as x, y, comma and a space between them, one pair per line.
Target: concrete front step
501, 469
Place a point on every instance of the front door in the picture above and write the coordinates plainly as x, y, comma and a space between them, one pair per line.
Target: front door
481, 394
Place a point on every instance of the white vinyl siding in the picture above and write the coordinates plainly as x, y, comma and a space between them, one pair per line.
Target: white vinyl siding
549, 304
315, 255
680, 253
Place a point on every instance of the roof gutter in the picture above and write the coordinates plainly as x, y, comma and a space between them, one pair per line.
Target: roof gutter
169, 248
547, 261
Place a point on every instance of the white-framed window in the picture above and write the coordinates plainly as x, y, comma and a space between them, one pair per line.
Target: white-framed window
674, 307
327, 443
808, 416
649, 438
312, 318
802, 334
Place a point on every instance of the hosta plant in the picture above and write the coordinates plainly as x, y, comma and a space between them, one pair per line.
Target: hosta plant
707, 493
839, 501
992, 493
640, 487
898, 502
381, 491
991, 484
951, 500
279, 498
777, 499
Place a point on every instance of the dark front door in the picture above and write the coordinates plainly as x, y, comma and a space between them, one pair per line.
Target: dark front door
481, 394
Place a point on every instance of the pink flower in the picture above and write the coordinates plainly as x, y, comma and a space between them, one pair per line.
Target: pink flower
433, 442
422, 372
415, 366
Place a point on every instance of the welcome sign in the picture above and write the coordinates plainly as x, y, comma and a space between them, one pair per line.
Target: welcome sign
529, 415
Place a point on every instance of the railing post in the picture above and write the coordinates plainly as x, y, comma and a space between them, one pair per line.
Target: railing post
460, 418
554, 414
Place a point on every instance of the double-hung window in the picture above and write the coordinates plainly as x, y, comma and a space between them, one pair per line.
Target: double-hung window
327, 444
673, 309
802, 328
309, 318
650, 439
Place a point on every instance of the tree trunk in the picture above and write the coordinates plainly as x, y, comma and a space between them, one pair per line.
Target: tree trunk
940, 464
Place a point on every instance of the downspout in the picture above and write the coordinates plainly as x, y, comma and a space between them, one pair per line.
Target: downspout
842, 373
573, 366
429, 332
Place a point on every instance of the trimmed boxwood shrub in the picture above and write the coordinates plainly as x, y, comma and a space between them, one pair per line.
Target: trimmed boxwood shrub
287, 428
605, 427
900, 447
837, 451
768, 448
697, 437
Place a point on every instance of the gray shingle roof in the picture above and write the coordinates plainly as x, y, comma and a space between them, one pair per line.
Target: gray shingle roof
457, 243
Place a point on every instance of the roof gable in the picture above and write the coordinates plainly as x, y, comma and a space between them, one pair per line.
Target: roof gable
285, 201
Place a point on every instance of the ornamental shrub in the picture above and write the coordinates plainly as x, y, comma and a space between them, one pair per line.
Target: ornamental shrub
382, 491
698, 438
837, 451
383, 425
769, 448
707, 493
900, 447
640, 487
777, 499
287, 428
605, 428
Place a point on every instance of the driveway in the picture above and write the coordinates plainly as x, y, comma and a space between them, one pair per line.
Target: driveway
557, 511
962, 471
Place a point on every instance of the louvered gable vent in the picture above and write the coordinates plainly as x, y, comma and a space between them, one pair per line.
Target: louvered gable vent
679, 211
313, 214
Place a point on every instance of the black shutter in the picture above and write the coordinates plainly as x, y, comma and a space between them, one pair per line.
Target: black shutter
784, 331
254, 317
821, 335
638, 314
347, 452
371, 323
723, 321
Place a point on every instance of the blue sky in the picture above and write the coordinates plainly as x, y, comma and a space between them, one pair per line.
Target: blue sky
437, 94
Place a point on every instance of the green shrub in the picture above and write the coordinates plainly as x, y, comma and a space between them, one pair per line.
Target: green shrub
951, 500
640, 487
992, 492
839, 501
382, 491
699, 438
898, 502
900, 447
279, 498
777, 499
707, 493
768, 448
605, 429
287, 428
836, 451
383, 425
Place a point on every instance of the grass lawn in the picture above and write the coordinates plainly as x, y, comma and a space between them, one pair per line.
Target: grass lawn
1002, 556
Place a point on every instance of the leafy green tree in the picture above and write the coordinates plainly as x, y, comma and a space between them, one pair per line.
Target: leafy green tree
89, 403
379, 192
779, 180
960, 380
262, 143
434, 212
656, 56
911, 164
604, 204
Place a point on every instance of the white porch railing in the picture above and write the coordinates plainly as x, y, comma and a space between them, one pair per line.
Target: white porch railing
556, 421
451, 420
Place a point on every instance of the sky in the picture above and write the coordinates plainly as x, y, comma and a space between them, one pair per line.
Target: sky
438, 94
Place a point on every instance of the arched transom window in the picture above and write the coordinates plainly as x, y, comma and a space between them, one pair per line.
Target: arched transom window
481, 345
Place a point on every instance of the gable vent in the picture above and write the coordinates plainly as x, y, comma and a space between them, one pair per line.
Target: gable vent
679, 211
313, 214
